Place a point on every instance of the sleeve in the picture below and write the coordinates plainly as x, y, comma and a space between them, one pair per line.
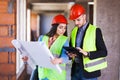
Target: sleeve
100, 45
64, 55
40, 38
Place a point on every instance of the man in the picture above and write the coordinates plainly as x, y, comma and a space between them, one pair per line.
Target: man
88, 40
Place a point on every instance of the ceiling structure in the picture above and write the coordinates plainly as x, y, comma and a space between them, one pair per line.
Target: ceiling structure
57, 1
49, 7
41, 6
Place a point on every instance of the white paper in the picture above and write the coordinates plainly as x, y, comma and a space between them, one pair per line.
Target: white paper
38, 53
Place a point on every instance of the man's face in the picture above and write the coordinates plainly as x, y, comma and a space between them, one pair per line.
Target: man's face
80, 21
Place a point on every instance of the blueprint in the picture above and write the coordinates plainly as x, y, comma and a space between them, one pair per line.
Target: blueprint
37, 52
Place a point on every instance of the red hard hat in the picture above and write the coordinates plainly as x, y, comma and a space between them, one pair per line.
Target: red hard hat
59, 19
75, 11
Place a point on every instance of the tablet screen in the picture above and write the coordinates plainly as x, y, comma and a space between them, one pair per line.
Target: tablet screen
72, 49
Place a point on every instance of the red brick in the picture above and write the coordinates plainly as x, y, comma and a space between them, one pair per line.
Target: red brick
13, 77
12, 57
3, 57
3, 77
3, 31
3, 6
6, 41
7, 69
6, 18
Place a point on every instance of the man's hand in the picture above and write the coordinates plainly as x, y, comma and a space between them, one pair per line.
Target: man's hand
82, 51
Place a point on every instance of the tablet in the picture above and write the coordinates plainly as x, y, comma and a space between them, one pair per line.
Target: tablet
72, 50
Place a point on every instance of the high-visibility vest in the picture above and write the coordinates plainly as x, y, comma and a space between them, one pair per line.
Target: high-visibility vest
55, 49
89, 44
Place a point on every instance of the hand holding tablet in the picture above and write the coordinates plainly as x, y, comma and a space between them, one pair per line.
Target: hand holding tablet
72, 50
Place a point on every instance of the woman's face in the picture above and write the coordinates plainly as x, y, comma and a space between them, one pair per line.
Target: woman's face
61, 29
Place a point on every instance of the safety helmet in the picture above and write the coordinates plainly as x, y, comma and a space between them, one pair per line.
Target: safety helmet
59, 19
75, 11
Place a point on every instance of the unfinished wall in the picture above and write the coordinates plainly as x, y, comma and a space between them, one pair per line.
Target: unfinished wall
108, 19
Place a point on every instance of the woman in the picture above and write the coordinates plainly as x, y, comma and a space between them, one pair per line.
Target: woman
55, 39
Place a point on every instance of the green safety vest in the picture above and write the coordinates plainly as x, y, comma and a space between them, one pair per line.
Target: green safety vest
89, 44
55, 49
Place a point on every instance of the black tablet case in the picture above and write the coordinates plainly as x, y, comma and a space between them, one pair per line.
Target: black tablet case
72, 50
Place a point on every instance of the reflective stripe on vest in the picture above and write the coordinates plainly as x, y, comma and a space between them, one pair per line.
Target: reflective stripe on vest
89, 44
55, 49
95, 63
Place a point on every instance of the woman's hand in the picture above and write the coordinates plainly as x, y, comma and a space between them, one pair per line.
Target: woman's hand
56, 60
71, 55
25, 58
